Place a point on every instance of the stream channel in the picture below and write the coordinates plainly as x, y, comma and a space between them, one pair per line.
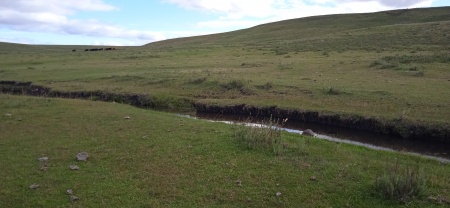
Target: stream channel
430, 149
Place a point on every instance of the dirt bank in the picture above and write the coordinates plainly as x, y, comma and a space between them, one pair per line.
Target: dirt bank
399, 127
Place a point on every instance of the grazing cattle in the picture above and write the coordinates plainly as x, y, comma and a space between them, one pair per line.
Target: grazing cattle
99, 49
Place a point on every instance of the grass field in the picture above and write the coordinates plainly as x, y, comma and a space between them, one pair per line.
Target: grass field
390, 65
160, 159
385, 65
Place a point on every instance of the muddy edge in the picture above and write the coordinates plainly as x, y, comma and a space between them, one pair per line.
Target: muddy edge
394, 127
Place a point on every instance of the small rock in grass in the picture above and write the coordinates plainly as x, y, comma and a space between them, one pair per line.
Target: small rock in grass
308, 132
43, 159
278, 194
74, 167
82, 156
34, 186
313, 178
73, 198
127, 117
8, 114
69, 192
239, 182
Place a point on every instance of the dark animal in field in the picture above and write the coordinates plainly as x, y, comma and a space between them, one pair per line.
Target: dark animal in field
74, 50
96, 49
99, 49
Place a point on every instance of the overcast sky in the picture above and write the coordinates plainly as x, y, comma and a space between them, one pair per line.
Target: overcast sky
137, 22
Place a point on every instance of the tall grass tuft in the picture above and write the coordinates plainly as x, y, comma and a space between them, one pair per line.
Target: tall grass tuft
401, 184
263, 136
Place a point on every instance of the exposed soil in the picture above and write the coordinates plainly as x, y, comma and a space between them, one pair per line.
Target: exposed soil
398, 127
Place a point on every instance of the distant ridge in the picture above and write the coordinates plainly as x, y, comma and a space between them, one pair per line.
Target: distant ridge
327, 27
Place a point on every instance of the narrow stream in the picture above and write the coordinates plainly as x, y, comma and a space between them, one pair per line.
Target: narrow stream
435, 150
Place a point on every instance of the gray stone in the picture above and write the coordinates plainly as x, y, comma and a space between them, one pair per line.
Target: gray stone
69, 192
74, 167
73, 198
43, 159
8, 114
239, 182
308, 132
43, 163
82, 156
278, 194
34, 186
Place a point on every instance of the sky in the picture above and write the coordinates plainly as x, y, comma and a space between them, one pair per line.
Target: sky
138, 22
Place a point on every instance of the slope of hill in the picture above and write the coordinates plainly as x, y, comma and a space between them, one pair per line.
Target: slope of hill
346, 29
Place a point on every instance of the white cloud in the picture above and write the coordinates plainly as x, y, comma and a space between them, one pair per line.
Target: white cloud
54, 16
396, 3
238, 13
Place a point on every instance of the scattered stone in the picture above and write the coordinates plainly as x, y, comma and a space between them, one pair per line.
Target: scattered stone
69, 192
306, 165
43, 159
73, 198
74, 167
82, 156
127, 117
439, 199
239, 182
308, 132
35, 186
43, 163
278, 194
313, 178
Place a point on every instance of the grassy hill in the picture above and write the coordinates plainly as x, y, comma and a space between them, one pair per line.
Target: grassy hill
409, 26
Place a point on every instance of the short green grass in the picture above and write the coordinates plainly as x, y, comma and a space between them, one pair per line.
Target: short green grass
156, 159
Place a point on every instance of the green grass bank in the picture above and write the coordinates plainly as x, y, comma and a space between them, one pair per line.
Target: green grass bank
402, 127
159, 159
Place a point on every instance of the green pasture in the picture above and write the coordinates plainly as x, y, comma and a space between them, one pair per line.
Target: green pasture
156, 159
392, 65
347, 82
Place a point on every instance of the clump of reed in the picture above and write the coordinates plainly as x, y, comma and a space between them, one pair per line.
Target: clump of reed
401, 183
266, 135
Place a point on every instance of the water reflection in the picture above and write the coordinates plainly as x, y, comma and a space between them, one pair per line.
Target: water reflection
433, 149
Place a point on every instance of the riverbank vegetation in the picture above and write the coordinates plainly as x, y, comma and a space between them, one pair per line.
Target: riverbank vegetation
142, 157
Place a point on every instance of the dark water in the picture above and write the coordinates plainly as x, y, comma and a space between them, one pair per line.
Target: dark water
436, 150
